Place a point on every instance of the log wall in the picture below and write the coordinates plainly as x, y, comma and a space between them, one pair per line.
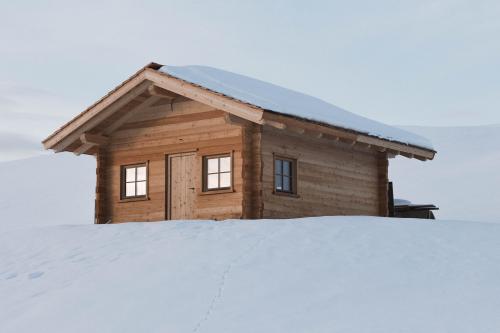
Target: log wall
156, 132
333, 178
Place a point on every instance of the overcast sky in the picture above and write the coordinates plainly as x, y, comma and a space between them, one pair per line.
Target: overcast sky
400, 62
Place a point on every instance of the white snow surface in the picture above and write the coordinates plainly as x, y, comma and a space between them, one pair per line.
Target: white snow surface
275, 98
329, 274
47, 189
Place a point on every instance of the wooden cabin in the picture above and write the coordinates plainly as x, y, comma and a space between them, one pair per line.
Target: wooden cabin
201, 143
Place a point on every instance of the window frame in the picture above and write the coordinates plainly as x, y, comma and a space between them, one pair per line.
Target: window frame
293, 176
123, 182
204, 187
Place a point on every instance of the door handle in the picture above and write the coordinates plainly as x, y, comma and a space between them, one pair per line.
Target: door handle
191, 188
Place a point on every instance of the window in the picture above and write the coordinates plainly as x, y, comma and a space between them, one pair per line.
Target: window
285, 175
217, 172
134, 181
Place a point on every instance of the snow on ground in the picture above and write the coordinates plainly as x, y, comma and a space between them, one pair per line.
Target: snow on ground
331, 274
271, 97
463, 179
50, 189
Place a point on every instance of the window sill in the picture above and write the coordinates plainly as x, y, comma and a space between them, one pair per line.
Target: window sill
228, 190
285, 194
133, 199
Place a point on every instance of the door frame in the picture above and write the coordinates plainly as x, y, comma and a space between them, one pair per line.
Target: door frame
168, 177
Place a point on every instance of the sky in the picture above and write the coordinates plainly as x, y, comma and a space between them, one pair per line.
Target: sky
400, 62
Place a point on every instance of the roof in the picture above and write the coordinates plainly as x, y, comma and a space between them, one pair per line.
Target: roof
282, 100
251, 99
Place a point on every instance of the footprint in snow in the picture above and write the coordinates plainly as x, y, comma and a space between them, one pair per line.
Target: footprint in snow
35, 275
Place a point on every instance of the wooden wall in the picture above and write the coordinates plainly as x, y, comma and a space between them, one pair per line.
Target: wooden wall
167, 129
333, 178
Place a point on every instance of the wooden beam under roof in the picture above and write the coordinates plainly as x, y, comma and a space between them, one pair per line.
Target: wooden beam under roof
62, 140
111, 97
205, 96
90, 140
273, 123
349, 137
233, 120
82, 149
160, 92
128, 115
396, 146
94, 139
289, 121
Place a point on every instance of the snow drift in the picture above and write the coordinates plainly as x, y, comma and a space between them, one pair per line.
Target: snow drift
331, 274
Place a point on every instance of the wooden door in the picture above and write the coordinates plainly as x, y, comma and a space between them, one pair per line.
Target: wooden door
181, 186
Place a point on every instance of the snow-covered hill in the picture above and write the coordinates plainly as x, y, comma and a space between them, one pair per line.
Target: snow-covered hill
464, 178
331, 274
343, 274
47, 190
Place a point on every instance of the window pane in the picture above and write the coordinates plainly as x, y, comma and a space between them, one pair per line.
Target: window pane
277, 183
130, 174
225, 179
130, 189
141, 188
212, 181
141, 173
213, 165
225, 164
286, 168
286, 184
277, 166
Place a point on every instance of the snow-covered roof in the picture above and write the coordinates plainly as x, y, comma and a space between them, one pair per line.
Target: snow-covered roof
278, 99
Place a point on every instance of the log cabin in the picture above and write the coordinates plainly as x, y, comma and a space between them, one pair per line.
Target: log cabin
194, 142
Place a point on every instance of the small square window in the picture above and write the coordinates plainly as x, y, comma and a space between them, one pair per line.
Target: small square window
285, 175
217, 172
134, 181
